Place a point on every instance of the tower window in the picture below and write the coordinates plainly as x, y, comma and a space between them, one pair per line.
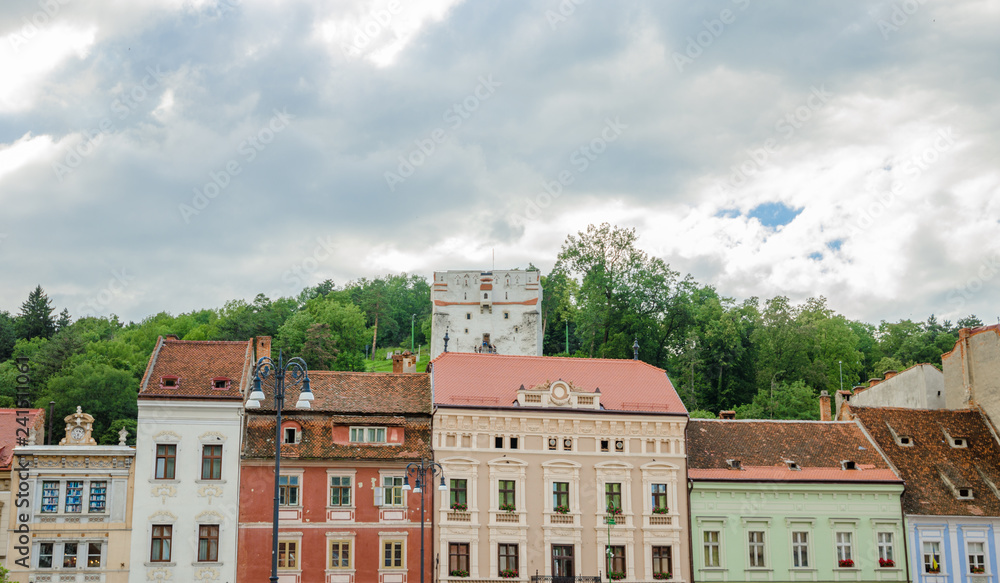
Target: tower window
468, 315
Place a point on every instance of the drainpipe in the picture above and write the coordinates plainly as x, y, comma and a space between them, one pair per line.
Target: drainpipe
906, 544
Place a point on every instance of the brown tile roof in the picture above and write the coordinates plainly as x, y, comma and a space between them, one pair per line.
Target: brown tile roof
762, 447
492, 380
931, 459
9, 437
196, 364
360, 392
317, 439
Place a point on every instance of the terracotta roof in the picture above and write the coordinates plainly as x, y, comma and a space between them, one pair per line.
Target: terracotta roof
196, 364
360, 392
492, 380
762, 448
9, 438
930, 460
317, 439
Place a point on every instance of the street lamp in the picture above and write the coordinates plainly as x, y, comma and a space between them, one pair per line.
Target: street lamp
295, 368
607, 549
419, 470
412, 320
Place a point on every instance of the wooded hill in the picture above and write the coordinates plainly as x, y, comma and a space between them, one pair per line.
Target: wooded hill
603, 294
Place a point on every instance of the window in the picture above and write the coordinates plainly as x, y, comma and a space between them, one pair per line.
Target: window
220, 384
291, 435
508, 500
560, 495
568, 444
340, 491
208, 543
171, 382
616, 559
755, 539
498, 442
958, 442
663, 561
613, 496
50, 496
553, 442
392, 491
392, 554
288, 554
965, 493
885, 547
45, 555
98, 496
459, 493
288, 491
659, 498
513, 443
506, 315
932, 557
74, 496
800, 549
711, 544
904, 440
605, 445
93, 555
458, 557
69, 555
368, 434
468, 315
845, 549
619, 445
848, 465
340, 554
160, 547
166, 455
977, 557
211, 462
507, 558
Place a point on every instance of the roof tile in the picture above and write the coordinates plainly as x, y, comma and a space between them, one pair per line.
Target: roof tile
196, 364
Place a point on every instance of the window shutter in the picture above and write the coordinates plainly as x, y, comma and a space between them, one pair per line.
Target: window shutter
378, 495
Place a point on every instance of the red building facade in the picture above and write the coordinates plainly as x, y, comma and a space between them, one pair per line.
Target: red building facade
344, 516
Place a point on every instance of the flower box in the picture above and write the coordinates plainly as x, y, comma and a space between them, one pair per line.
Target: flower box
977, 570
845, 563
459, 507
661, 510
661, 575
933, 571
508, 507
886, 563
616, 575
614, 512
561, 509
508, 574
459, 573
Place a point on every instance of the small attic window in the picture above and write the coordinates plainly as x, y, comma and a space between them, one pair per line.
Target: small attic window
220, 383
959, 442
734, 464
905, 440
792, 465
170, 382
291, 435
965, 494
848, 465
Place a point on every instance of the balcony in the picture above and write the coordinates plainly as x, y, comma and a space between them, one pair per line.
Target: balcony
455, 516
562, 519
507, 518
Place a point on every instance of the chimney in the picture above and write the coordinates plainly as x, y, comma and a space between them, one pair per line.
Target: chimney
889, 374
409, 361
170, 337
262, 346
824, 406
397, 363
727, 414
873, 382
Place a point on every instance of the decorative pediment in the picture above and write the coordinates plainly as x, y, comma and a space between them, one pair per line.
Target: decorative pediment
210, 517
163, 516
558, 393
166, 436
212, 436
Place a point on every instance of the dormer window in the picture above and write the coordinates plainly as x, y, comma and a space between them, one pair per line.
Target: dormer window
291, 435
220, 383
734, 464
368, 434
905, 440
965, 494
792, 465
170, 382
848, 465
959, 442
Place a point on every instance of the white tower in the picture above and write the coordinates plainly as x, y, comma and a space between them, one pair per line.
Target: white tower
484, 311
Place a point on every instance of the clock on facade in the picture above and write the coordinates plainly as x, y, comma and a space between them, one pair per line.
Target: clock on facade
78, 428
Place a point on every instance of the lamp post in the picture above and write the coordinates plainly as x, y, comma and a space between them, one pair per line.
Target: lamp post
841, 363
296, 369
419, 470
607, 550
412, 320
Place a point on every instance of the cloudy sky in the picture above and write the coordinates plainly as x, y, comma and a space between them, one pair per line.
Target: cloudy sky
174, 154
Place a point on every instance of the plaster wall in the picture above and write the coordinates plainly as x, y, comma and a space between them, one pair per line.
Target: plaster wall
918, 387
972, 371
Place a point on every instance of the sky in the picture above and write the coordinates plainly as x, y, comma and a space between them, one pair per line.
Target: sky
171, 155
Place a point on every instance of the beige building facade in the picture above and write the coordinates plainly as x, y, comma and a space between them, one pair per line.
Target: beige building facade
72, 509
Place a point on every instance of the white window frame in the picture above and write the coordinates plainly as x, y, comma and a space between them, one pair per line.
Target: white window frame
800, 549
369, 434
755, 544
716, 544
886, 549
935, 555
380, 490
843, 541
982, 562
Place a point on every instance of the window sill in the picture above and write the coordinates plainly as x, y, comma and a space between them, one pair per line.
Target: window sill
207, 563
802, 569
209, 481
159, 564
164, 481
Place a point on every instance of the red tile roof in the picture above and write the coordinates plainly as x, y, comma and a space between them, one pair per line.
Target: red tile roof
9, 437
196, 364
492, 380
930, 459
317, 439
762, 448
359, 392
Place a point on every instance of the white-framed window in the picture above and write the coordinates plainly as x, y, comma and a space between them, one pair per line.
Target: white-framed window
391, 492
932, 556
800, 549
755, 545
711, 545
288, 490
340, 554
94, 552
45, 553
845, 549
368, 434
977, 557
340, 490
886, 553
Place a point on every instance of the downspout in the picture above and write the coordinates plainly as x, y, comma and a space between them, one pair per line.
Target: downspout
906, 544
690, 484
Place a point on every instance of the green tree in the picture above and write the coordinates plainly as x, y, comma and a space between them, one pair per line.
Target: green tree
789, 401
701, 414
110, 437
8, 335
35, 319
239, 320
340, 333
104, 392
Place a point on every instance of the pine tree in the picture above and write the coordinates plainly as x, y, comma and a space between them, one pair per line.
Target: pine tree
35, 319
64, 320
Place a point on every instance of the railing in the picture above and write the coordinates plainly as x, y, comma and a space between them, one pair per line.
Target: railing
508, 517
561, 519
459, 517
659, 520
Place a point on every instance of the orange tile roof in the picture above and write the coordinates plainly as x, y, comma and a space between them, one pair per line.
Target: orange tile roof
492, 380
762, 447
196, 363
359, 392
9, 438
